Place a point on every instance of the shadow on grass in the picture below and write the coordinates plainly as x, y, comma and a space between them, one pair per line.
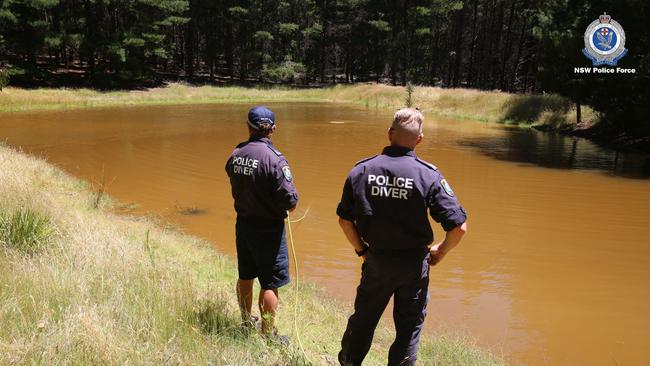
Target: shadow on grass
214, 318
535, 108
53, 76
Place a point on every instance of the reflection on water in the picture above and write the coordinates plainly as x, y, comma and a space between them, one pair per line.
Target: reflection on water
554, 268
551, 150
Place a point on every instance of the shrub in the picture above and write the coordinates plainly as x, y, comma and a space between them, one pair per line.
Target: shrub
287, 29
25, 230
4, 77
409, 95
287, 71
213, 317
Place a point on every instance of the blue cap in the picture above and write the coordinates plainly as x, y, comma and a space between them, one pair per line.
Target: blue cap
260, 114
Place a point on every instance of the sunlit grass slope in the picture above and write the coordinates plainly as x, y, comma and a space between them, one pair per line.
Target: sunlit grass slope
83, 286
495, 106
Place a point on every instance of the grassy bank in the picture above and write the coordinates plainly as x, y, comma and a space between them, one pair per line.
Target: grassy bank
501, 107
82, 285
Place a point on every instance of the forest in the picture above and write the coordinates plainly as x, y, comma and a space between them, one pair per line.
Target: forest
528, 46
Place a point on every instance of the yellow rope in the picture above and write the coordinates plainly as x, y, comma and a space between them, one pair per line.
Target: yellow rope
295, 263
300, 219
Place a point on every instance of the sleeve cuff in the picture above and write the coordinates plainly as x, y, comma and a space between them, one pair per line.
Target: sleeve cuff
455, 219
293, 200
344, 214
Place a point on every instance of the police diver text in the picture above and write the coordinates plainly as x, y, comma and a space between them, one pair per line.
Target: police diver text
392, 187
243, 165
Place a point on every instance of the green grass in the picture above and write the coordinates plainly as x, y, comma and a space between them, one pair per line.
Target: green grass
489, 106
113, 289
25, 230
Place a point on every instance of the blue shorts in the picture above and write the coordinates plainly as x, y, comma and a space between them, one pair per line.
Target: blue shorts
262, 252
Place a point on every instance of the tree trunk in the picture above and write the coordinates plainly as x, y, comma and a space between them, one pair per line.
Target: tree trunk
229, 52
506, 53
470, 68
459, 47
434, 51
496, 46
189, 44
517, 61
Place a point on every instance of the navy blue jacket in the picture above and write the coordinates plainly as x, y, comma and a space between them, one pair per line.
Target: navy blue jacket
262, 183
388, 197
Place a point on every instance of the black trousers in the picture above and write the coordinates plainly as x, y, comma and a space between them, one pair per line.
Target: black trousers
404, 276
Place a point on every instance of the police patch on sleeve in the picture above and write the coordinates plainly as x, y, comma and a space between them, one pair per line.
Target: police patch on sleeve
446, 187
287, 173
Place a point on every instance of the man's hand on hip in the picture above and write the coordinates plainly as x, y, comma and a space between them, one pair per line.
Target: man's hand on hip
435, 255
452, 238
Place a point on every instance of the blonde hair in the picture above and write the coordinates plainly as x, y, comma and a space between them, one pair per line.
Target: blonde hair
408, 121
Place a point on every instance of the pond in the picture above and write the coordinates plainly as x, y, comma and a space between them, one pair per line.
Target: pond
556, 263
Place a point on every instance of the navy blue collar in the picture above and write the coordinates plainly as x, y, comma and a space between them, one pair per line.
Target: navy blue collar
394, 151
265, 140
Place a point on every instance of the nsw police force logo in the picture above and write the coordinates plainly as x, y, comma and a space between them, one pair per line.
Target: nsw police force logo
604, 41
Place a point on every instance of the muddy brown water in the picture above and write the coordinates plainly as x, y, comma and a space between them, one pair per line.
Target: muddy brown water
555, 268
